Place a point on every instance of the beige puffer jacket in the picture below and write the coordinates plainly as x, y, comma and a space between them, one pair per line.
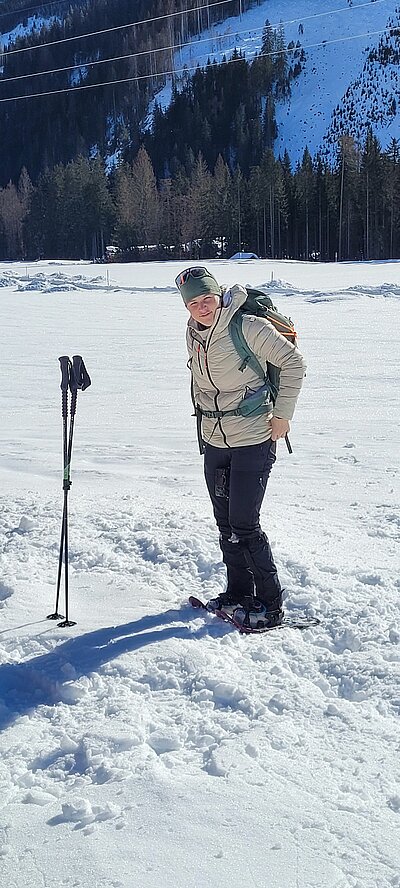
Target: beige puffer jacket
219, 385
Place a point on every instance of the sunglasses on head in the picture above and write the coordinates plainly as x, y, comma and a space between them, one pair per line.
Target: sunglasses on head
196, 272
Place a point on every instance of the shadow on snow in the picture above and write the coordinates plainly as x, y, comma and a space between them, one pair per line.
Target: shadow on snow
39, 681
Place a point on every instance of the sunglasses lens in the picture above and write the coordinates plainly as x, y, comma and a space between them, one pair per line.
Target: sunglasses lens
197, 272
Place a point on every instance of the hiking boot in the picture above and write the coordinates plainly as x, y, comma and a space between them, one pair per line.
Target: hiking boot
259, 615
226, 602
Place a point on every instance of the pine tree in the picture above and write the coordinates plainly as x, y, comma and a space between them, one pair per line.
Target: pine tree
11, 216
305, 185
391, 167
282, 208
268, 39
200, 197
220, 191
256, 202
25, 191
281, 66
237, 192
267, 168
332, 215
372, 182
270, 130
167, 216
289, 231
25, 188
76, 201
123, 199
348, 167
100, 211
145, 200
265, 61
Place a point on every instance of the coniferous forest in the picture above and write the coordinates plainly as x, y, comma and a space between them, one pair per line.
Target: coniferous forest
203, 180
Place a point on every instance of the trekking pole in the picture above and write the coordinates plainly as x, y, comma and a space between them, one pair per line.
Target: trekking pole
74, 376
65, 366
78, 379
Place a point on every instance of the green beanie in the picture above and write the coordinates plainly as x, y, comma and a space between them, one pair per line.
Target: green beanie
191, 286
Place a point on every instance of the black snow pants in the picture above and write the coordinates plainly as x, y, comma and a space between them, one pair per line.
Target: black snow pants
236, 479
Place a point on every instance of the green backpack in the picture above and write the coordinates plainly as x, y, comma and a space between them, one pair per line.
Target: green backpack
260, 305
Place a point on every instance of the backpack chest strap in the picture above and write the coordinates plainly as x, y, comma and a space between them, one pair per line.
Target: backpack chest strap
243, 349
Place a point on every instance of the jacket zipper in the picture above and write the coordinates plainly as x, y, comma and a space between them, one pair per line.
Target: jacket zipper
198, 358
217, 390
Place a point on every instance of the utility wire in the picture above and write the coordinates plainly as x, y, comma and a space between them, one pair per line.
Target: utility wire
180, 12
186, 69
64, 3
32, 8
174, 47
118, 28
133, 55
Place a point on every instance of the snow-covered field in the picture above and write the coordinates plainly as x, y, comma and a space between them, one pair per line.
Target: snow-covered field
148, 745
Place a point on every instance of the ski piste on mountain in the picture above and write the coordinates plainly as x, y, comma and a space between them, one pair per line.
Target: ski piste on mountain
301, 623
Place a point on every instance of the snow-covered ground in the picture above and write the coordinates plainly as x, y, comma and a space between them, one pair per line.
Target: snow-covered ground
333, 60
148, 745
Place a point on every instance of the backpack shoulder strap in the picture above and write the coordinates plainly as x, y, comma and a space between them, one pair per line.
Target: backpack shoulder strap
242, 347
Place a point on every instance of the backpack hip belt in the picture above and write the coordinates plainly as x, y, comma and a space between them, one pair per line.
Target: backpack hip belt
255, 404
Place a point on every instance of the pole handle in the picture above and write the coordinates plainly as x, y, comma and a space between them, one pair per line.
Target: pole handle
65, 366
79, 377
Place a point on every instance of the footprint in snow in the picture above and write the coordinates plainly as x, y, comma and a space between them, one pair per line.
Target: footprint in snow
5, 592
82, 814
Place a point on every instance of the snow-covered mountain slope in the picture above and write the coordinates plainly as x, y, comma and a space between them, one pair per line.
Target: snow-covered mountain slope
373, 98
339, 86
32, 23
149, 745
336, 37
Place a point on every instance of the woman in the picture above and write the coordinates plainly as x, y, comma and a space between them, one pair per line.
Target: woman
239, 450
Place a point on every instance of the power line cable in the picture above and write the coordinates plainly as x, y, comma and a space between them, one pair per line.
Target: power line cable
186, 69
132, 55
180, 12
41, 6
117, 28
174, 47
32, 8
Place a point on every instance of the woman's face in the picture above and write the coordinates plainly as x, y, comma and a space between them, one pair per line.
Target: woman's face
203, 309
